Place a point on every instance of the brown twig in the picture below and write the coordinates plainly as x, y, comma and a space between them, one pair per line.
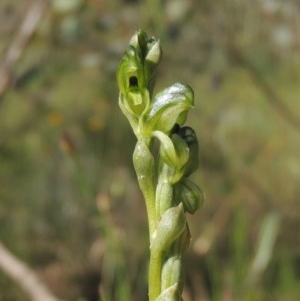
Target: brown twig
14, 52
271, 96
24, 276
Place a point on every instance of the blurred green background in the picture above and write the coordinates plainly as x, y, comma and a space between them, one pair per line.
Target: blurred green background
69, 202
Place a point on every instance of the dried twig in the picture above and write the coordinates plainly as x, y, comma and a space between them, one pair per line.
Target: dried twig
24, 276
271, 96
14, 52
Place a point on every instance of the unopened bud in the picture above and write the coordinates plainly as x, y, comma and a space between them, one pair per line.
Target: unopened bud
171, 272
190, 195
170, 294
170, 226
164, 198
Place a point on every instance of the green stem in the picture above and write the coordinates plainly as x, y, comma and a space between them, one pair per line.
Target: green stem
144, 165
145, 169
149, 196
155, 267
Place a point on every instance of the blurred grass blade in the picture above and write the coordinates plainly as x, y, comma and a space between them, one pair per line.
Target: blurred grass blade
265, 246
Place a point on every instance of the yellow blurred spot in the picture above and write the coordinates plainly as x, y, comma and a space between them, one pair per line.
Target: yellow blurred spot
95, 123
55, 118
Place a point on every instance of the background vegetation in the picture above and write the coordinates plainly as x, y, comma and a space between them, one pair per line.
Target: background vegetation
69, 202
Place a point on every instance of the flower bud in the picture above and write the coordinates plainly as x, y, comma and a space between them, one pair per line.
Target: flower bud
154, 52
149, 51
164, 198
189, 136
169, 227
153, 58
171, 272
170, 294
173, 151
183, 241
143, 162
190, 195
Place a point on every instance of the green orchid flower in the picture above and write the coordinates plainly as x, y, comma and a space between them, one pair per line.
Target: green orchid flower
135, 74
169, 107
162, 174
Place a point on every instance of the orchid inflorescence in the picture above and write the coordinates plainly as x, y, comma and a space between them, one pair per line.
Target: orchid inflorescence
163, 178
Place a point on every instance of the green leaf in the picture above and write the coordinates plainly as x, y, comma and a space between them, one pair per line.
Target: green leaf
169, 107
